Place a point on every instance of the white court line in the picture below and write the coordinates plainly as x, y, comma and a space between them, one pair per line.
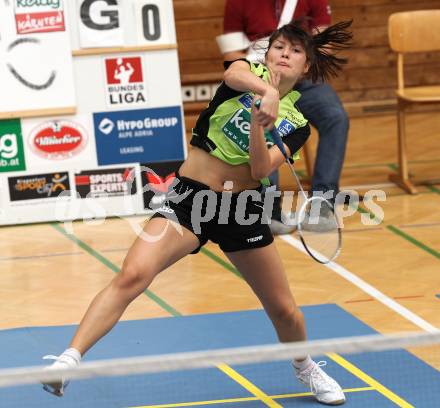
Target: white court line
367, 288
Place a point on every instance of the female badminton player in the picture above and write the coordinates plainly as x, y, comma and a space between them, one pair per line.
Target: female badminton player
231, 144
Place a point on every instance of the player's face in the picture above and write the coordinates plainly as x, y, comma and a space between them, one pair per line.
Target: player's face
288, 58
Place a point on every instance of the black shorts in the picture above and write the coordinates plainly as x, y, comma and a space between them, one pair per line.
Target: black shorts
234, 221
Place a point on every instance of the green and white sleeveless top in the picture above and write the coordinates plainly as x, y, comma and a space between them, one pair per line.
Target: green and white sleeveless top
223, 128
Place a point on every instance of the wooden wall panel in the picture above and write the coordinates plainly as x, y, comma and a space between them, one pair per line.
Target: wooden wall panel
369, 75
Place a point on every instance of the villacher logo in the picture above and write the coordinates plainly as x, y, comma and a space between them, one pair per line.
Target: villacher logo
58, 140
125, 81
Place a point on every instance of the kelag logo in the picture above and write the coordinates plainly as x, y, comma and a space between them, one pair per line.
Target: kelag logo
238, 128
37, 186
11, 146
106, 182
139, 136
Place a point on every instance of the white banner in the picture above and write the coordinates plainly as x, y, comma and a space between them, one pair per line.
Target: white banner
100, 23
62, 167
35, 69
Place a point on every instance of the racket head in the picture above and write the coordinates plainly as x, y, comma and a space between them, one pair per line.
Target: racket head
319, 229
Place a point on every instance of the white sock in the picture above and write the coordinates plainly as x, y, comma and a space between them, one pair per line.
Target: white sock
303, 364
73, 353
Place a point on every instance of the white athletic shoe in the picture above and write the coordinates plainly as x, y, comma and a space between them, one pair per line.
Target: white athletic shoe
62, 361
325, 389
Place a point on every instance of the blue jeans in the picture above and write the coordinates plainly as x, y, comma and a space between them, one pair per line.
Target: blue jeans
323, 109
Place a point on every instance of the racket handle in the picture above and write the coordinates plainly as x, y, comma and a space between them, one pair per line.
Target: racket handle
275, 134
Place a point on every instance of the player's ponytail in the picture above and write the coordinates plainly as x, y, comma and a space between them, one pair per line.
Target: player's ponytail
326, 44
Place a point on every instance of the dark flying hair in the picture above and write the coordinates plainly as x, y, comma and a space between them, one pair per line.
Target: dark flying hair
320, 48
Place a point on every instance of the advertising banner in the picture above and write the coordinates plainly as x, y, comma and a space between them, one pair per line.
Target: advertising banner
157, 180
139, 135
11, 146
38, 186
112, 182
43, 16
125, 85
35, 57
64, 140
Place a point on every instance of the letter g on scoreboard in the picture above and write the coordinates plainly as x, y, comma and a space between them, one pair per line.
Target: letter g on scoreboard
102, 22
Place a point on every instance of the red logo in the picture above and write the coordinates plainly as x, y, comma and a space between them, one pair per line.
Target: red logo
82, 180
58, 140
160, 184
43, 22
124, 71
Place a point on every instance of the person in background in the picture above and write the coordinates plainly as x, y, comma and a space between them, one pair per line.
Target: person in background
247, 24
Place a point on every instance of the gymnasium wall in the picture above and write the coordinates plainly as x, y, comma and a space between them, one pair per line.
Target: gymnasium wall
369, 78
90, 99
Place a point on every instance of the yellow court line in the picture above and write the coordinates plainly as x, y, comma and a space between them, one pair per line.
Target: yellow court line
245, 399
196, 403
269, 400
369, 380
253, 389
308, 394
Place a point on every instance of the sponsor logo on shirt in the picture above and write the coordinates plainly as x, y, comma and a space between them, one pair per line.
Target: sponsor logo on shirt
238, 128
246, 100
296, 118
286, 127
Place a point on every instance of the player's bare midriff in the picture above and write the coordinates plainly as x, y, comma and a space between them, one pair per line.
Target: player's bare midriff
209, 170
